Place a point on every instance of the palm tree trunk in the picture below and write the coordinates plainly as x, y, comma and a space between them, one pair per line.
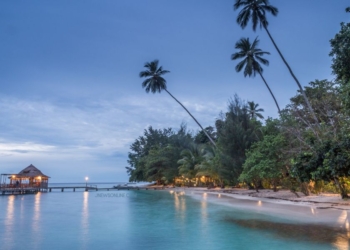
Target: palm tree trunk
341, 188
278, 107
294, 77
205, 132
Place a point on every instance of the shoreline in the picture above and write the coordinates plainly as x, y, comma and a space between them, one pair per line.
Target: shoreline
321, 201
324, 209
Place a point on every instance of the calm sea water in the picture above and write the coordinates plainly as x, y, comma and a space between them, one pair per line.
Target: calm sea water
147, 220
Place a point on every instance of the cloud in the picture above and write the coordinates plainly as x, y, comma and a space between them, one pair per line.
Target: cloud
90, 136
99, 127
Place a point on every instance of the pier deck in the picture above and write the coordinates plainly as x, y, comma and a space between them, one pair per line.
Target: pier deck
95, 188
34, 190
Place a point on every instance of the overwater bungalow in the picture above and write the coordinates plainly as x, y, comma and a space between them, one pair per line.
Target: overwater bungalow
29, 180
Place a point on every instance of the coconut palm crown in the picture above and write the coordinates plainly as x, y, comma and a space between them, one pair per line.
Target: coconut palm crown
254, 111
254, 10
252, 55
154, 82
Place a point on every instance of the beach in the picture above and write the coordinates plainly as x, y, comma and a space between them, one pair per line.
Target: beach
324, 208
321, 201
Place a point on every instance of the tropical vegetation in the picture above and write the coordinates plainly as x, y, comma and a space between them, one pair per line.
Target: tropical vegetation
291, 151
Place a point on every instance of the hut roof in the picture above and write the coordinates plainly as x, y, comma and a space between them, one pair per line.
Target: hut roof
32, 171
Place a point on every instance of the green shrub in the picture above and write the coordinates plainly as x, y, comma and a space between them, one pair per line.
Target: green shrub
329, 187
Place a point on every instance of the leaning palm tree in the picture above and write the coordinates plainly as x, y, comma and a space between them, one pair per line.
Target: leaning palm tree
156, 83
251, 57
254, 111
256, 10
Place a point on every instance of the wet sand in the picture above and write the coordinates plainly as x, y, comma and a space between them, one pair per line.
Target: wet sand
327, 209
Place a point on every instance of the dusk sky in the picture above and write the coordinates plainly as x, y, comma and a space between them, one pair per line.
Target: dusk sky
71, 101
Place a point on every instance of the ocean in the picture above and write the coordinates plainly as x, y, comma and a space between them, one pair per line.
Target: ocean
148, 219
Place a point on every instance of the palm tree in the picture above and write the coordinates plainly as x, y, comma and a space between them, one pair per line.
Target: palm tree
156, 83
215, 164
252, 56
254, 111
347, 9
256, 10
191, 157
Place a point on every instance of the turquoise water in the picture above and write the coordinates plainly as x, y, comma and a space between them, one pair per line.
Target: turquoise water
144, 220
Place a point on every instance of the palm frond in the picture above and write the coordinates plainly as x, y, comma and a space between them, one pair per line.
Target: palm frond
145, 73
146, 82
237, 55
260, 115
243, 18
262, 60
259, 52
255, 44
271, 9
248, 70
257, 68
240, 65
240, 3
255, 20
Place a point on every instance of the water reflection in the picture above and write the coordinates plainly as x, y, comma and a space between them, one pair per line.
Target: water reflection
85, 221
176, 202
205, 196
312, 210
9, 223
337, 236
36, 222
204, 211
179, 202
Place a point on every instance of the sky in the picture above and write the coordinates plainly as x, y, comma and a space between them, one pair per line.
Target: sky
71, 101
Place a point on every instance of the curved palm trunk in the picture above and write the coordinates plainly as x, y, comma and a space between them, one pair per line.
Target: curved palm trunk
205, 132
294, 77
278, 107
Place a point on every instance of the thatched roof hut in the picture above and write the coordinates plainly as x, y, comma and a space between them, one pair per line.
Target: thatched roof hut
31, 171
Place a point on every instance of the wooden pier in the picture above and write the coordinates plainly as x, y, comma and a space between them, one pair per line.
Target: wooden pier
34, 190
95, 188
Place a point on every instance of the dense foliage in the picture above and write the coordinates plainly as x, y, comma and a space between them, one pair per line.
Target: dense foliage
341, 53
